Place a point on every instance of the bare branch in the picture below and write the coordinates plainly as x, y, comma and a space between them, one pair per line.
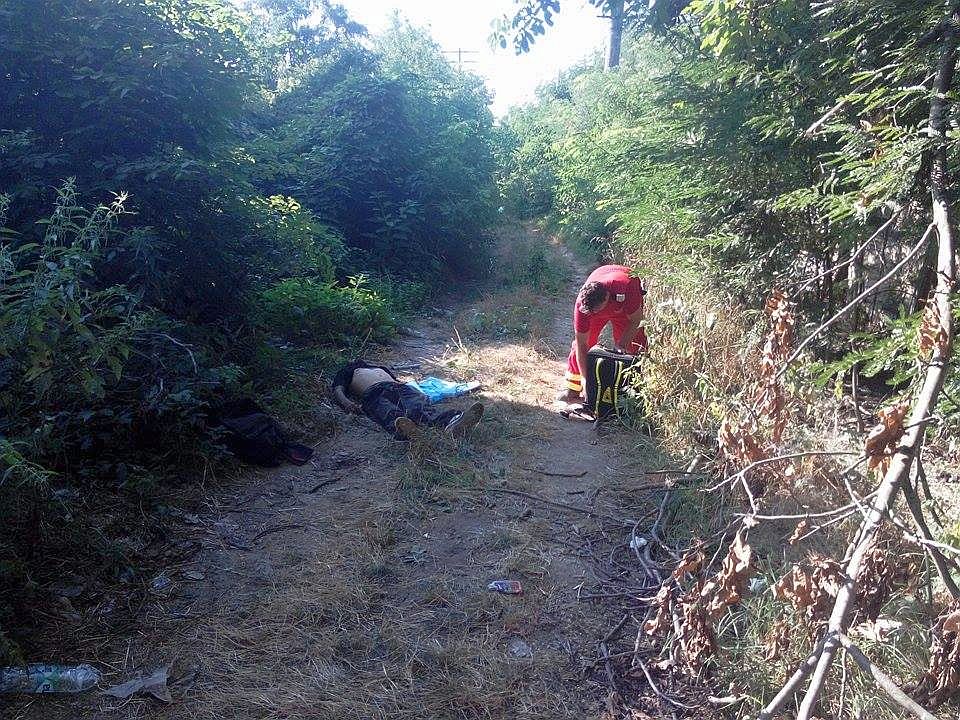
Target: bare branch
766, 461
826, 117
845, 510
856, 301
637, 662
884, 681
926, 401
793, 684
856, 253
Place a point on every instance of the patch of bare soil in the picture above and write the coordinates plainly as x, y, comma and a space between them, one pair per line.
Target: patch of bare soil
356, 586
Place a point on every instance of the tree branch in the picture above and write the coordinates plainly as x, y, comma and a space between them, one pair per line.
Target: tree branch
766, 461
856, 301
856, 253
902, 460
916, 510
793, 683
884, 681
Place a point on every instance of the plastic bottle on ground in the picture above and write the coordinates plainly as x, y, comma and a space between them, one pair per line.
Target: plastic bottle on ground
43, 678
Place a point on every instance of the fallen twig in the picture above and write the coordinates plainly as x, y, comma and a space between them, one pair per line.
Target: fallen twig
323, 484
654, 529
271, 531
550, 473
637, 662
545, 501
616, 629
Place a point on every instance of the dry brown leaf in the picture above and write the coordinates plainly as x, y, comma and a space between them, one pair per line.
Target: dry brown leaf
770, 400
739, 444
690, 563
941, 681
884, 436
932, 335
726, 587
777, 640
774, 302
884, 570
696, 637
811, 588
662, 620
799, 532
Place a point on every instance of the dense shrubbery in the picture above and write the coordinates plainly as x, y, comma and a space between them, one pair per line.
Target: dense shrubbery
696, 169
93, 377
307, 308
190, 195
808, 150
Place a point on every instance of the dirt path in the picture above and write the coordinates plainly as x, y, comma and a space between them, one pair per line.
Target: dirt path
356, 586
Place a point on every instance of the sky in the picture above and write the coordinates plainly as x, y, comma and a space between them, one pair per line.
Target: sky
513, 79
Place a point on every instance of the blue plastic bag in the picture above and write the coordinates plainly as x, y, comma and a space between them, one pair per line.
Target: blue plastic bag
438, 390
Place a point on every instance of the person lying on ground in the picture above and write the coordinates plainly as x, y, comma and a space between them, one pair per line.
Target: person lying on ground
373, 390
610, 295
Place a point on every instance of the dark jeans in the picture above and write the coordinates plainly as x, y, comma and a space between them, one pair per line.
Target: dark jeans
387, 401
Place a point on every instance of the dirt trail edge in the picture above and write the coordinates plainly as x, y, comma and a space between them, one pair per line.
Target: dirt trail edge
356, 586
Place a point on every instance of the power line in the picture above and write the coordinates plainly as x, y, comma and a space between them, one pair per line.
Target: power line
459, 53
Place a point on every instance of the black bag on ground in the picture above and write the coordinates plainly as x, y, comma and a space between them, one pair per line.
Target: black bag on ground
606, 377
256, 438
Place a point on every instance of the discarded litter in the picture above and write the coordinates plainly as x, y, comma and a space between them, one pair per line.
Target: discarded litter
43, 678
193, 575
155, 684
518, 648
438, 390
637, 542
160, 583
758, 584
508, 587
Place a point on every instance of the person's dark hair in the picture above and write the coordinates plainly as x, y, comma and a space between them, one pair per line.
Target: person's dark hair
591, 296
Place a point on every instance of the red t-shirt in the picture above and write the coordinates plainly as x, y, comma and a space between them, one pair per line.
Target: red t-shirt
626, 297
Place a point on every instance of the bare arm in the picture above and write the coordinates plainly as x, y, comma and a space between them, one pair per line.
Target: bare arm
343, 401
634, 322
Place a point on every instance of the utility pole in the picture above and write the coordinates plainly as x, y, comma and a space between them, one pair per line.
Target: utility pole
616, 33
461, 60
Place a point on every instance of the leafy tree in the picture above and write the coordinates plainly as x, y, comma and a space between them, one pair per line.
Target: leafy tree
392, 147
532, 18
200, 199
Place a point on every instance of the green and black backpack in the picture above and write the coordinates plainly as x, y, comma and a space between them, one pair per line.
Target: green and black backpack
606, 377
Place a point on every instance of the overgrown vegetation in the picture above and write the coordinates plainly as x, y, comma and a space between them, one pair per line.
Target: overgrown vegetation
781, 155
195, 198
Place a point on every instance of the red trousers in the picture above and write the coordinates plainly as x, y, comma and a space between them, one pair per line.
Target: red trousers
574, 381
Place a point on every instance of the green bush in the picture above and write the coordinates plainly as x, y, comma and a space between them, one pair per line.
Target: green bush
321, 311
98, 392
89, 375
266, 166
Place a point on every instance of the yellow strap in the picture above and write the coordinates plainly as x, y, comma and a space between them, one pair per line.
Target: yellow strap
596, 400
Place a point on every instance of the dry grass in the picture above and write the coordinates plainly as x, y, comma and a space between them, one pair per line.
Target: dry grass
379, 607
701, 357
335, 640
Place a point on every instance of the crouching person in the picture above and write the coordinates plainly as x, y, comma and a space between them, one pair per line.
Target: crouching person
398, 408
609, 296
